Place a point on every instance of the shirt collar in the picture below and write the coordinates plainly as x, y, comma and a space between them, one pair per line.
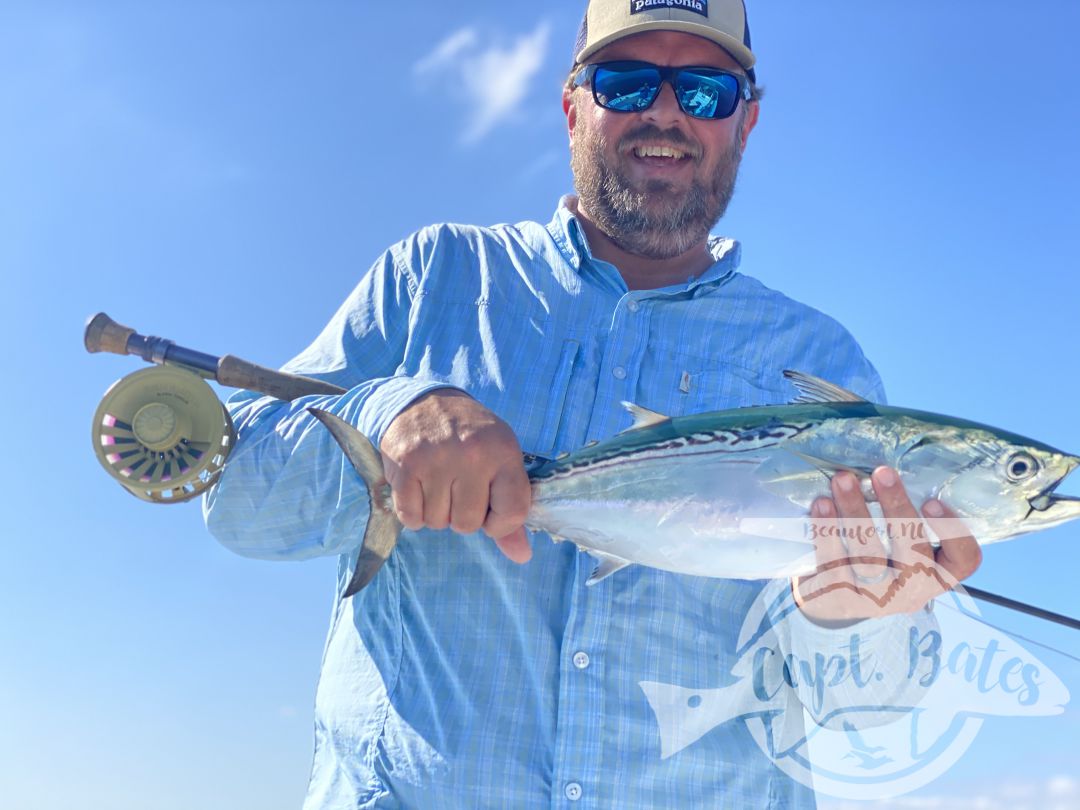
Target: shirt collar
570, 238
566, 231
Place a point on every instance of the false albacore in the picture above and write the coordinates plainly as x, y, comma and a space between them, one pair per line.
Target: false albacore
727, 493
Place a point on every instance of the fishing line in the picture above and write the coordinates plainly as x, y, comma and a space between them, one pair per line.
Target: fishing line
1020, 636
1031, 610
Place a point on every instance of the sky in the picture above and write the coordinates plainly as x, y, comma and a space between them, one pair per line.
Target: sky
221, 173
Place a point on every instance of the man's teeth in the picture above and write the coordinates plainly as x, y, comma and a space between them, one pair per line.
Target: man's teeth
658, 151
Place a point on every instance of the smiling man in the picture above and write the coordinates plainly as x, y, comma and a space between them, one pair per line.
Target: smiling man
652, 183
462, 677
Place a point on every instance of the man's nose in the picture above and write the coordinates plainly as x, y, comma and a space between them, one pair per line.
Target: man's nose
665, 110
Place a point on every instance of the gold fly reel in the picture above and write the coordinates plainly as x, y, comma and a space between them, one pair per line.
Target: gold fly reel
163, 434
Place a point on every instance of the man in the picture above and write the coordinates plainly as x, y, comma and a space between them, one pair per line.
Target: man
465, 678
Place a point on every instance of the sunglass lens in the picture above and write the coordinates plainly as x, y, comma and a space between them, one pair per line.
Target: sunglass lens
626, 90
706, 95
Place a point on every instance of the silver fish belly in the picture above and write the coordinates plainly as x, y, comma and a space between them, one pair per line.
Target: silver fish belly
682, 502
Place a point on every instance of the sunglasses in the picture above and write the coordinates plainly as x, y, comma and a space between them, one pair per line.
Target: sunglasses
702, 92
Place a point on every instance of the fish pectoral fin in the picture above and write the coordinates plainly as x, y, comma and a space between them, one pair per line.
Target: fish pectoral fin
814, 389
831, 468
643, 417
607, 565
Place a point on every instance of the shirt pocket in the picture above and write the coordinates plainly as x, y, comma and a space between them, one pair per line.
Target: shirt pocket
543, 443
535, 400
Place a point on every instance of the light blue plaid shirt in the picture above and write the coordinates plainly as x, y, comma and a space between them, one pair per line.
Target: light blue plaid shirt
458, 679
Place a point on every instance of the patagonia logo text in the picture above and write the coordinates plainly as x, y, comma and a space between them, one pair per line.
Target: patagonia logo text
697, 6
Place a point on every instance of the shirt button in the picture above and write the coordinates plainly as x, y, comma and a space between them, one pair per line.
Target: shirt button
581, 660
573, 791
633, 306
619, 372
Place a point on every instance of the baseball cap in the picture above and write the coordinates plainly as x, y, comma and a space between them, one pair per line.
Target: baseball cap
722, 21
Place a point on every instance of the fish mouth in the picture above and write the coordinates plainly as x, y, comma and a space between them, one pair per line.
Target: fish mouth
1048, 501
1067, 507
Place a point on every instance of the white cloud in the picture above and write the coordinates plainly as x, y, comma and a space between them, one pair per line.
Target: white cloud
1063, 787
461, 40
492, 80
1057, 793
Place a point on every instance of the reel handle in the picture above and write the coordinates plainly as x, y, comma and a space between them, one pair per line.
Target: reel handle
103, 334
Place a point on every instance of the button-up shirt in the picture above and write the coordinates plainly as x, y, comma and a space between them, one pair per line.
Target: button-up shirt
458, 679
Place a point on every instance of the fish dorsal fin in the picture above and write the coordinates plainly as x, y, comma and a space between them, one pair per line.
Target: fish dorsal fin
643, 417
814, 389
606, 566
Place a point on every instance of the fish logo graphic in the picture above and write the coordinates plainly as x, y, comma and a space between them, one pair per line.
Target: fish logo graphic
848, 723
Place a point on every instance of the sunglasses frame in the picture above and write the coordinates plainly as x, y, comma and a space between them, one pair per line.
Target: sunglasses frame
669, 75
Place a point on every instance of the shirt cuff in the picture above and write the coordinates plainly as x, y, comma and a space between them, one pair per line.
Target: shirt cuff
388, 399
807, 635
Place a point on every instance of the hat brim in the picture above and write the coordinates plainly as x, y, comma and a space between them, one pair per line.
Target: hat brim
739, 52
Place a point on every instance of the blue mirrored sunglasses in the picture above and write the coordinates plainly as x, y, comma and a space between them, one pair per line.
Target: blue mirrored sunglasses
702, 92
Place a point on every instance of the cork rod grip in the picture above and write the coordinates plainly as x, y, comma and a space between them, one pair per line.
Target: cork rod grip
103, 334
237, 373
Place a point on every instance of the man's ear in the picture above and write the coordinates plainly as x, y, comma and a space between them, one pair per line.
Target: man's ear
753, 108
570, 111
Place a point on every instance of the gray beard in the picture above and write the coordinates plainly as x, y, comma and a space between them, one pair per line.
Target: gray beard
657, 221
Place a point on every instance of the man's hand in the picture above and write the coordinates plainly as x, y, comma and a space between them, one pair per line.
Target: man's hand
858, 576
452, 462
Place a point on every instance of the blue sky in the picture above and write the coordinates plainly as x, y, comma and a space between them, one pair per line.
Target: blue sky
221, 173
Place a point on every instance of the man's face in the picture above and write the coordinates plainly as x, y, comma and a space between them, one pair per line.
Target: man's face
656, 206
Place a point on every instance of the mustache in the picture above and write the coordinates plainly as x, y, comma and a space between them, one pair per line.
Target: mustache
650, 133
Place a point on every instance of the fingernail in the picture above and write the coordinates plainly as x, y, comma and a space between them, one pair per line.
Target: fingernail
824, 508
846, 482
933, 508
886, 477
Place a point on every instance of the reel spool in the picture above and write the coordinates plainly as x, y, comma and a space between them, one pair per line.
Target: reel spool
163, 434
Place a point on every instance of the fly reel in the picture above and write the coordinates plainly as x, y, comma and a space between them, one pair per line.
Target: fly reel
163, 434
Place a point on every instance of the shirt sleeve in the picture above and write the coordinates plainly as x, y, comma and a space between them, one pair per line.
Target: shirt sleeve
287, 491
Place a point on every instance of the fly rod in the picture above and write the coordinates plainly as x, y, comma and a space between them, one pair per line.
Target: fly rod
164, 436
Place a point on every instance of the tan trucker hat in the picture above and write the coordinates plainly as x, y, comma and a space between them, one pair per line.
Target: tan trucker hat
722, 21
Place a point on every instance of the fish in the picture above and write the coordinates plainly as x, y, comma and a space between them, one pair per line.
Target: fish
727, 493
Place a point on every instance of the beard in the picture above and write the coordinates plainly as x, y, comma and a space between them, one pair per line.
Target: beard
657, 220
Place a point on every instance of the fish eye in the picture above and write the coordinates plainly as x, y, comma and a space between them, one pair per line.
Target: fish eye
1021, 466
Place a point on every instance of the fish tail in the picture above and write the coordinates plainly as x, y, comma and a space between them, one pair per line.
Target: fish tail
683, 716
383, 526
